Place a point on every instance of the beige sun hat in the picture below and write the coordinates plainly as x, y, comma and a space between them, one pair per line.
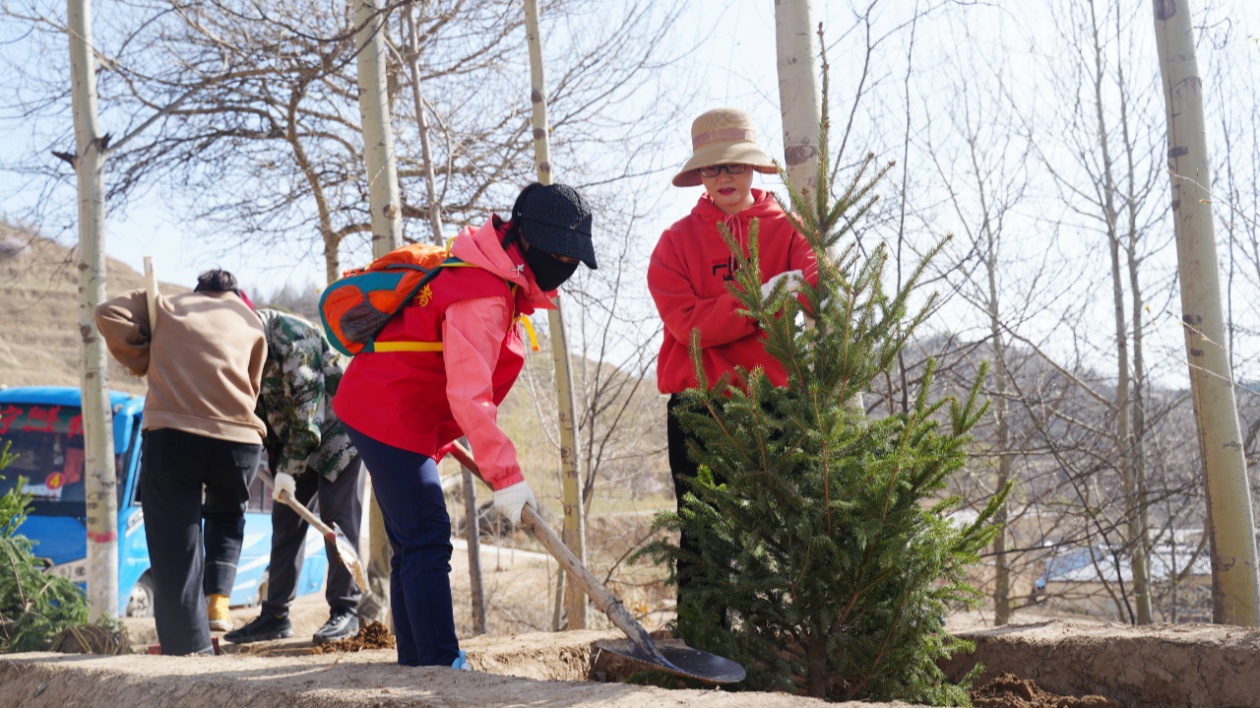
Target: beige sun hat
722, 136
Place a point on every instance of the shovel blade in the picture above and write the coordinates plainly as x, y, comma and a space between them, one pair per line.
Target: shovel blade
349, 557
680, 661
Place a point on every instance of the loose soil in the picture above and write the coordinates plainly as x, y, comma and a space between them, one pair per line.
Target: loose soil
372, 635
1009, 691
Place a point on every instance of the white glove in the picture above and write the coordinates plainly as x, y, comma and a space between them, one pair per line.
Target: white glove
510, 501
793, 277
284, 482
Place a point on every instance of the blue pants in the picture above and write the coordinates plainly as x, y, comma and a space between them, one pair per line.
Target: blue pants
409, 492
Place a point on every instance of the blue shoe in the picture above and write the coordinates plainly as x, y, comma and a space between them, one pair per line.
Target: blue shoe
461, 662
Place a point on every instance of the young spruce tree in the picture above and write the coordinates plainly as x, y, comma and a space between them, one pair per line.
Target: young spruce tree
830, 545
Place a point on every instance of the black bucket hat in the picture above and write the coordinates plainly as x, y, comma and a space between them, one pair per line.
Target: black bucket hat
556, 219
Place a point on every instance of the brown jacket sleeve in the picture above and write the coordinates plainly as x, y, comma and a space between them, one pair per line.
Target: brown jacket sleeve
124, 323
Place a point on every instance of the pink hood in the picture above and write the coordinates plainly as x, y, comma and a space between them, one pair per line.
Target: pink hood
483, 248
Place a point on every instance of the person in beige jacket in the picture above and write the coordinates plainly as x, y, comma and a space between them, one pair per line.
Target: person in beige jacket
204, 358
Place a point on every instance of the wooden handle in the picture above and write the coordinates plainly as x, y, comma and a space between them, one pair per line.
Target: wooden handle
310, 518
346, 553
597, 591
150, 292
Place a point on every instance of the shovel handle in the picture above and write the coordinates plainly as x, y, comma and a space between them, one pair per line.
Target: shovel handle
324, 529
597, 591
346, 553
150, 293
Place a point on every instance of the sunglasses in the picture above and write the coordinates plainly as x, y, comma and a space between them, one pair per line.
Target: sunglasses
715, 170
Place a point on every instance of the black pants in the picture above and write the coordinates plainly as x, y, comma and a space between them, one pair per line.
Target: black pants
178, 471
682, 468
339, 501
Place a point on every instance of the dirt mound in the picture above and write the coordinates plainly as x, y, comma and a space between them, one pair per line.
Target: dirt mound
1088, 665
372, 635
1155, 665
541, 669
1010, 691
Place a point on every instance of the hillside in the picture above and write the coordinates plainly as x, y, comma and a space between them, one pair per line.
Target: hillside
39, 324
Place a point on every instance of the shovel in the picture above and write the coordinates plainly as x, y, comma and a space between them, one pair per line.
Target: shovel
682, 661
346, 553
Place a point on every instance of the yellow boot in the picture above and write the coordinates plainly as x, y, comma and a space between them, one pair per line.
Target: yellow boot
217, 609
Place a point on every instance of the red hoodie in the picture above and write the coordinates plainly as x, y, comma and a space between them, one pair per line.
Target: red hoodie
688, 275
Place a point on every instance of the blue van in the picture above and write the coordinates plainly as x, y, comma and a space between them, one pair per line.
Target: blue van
45, 428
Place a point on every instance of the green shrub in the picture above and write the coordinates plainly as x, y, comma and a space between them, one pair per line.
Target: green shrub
34, 606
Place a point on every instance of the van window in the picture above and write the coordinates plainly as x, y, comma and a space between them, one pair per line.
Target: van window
46, 442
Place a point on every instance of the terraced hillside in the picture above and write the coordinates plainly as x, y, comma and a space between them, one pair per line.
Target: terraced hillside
39, 312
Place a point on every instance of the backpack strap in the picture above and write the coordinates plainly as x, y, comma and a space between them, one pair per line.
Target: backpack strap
529, 329
406, 347
409, 346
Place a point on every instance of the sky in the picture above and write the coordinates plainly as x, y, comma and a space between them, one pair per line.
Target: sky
738, 65
732, 64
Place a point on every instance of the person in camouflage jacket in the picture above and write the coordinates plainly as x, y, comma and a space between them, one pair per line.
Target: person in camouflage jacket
313, 459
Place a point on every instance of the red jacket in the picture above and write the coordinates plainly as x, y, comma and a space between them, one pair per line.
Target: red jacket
688, 275
422, 401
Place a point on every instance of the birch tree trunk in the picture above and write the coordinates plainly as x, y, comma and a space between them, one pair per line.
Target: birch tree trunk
799, 102
378, 137
574, 532
422, 124
383, 197
1002, 442
100, 484
1230, 522
435, 222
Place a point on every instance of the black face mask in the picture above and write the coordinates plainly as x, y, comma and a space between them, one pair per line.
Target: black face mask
549, 272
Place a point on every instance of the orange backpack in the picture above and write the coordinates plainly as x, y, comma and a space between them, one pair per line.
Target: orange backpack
355, 308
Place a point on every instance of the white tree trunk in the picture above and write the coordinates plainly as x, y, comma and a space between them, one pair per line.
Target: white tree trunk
98, 438
574, 529
1234, 578
422, 124
383, 197
800, 104
1002, 443
799, 93
378, 137
471, 525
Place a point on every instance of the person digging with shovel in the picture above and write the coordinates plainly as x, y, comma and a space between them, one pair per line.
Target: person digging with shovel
313, 460
457, 351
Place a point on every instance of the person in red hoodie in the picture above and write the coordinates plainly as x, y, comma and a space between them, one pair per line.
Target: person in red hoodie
692, 266
403, 410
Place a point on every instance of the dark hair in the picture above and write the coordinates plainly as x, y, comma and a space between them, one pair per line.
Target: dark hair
518, 208
216, 281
